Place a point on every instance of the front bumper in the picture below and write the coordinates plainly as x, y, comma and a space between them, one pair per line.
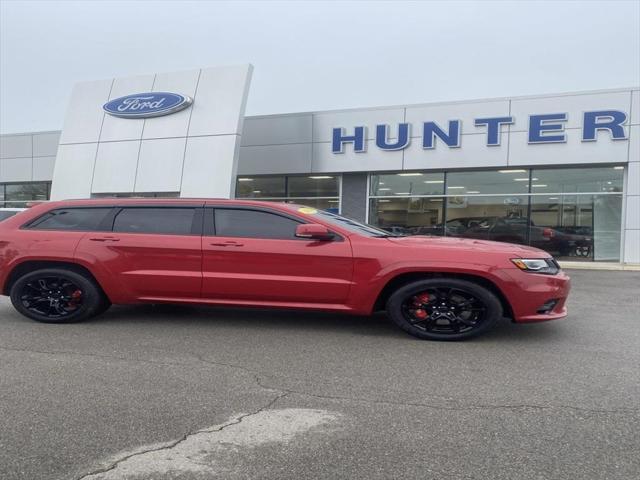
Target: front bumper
531, 291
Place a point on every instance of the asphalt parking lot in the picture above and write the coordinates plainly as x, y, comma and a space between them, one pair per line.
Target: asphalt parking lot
193, 393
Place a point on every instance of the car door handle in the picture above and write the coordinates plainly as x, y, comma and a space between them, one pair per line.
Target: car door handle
104, 239
226, 244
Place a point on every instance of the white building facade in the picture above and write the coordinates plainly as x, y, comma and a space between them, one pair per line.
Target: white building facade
559, 172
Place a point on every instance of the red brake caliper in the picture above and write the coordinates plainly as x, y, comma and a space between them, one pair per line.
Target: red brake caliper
75, 299
418, 301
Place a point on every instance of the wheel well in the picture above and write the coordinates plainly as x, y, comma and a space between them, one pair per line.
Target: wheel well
31, 266
407, 278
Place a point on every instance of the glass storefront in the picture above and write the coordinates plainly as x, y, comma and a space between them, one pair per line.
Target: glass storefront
573, 213
319, 191
137, 195
17, 195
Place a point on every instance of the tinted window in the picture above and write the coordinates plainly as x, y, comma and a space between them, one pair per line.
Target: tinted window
5, 215
78, 219
253, 224
170, 221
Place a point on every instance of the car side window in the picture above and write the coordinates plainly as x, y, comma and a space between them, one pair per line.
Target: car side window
162, 220
236, 222
72, 219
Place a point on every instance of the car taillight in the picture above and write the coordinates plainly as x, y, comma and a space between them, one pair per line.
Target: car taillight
548, 232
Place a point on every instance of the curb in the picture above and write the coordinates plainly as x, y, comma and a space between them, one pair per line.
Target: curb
631, 267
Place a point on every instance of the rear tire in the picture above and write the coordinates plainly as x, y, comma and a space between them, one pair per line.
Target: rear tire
444, 309
57, 295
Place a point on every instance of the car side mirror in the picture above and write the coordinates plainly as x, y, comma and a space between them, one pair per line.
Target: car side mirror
314, 231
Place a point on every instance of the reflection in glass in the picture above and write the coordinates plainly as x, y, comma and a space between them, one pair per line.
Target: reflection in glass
312, 186
137, 195
263, 186
584, 227
492, 182
16, 195
577, 180
329, 204
408, 216
502, 219
318, 191
407, 184
558, 210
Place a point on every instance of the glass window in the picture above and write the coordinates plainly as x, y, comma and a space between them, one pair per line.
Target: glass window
556, 210
313, 186
330, 205
576, 180
76, 219
577, 227
6, 214
407, 183
351, 225
164, 220
235, 222
408, 216
502, 219
137, 195
18, 194
261, 187
491, 182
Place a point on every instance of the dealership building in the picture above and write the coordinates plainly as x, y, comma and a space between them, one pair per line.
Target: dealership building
556, 171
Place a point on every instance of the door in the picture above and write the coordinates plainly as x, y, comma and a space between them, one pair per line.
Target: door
252, 254
152, 252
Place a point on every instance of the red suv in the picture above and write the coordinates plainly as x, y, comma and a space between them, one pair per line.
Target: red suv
69, 261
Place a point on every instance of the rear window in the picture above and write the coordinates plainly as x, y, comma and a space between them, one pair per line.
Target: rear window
74, 219
168, 221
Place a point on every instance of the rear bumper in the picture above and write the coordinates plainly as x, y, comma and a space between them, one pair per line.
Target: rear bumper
532, 292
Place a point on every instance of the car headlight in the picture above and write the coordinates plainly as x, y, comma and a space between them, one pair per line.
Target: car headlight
537, 265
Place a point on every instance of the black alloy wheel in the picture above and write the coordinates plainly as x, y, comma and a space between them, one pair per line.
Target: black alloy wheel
57, 296
52, 297
444, 309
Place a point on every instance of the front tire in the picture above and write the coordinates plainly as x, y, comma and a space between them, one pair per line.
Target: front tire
444, 309
56, 295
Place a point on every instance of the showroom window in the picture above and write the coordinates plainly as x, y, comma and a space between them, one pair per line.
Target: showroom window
407, 184
319, 191
17, 195
137, 195
573, 213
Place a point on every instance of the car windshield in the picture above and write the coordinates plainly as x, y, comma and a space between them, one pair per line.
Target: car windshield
353, 225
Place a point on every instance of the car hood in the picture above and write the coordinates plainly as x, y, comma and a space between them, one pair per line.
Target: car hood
469, 244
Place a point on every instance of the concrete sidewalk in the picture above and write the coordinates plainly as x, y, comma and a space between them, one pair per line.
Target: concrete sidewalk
631, 267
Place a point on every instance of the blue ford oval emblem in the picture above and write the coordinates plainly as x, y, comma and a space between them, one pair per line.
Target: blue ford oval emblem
145, 105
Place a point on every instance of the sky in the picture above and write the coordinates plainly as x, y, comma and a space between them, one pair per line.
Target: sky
312, 55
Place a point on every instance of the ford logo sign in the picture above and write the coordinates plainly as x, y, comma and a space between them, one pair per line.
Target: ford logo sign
146, 105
